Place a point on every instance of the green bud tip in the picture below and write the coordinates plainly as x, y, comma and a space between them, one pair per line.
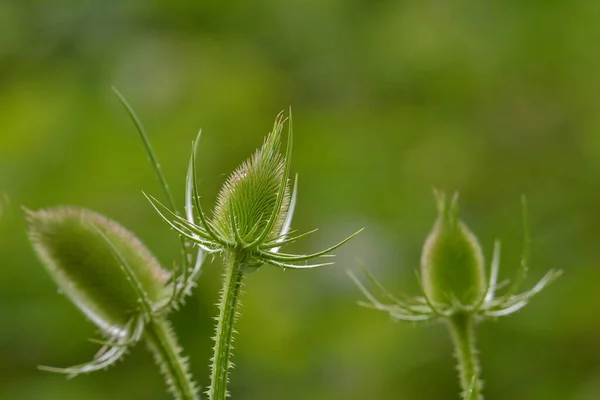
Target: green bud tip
84, 253
452, 264
249, 197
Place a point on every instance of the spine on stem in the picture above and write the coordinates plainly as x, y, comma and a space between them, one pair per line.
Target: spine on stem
221, 361
463, 335
162, 342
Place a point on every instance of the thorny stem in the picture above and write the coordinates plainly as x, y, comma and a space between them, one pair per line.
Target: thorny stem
162, 341
463, 334
221, 364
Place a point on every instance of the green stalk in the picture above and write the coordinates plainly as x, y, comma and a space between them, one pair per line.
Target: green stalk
463, 334
221, 364
162, 341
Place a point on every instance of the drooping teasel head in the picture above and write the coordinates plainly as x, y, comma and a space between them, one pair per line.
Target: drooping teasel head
103, 268
249, 199
452, 265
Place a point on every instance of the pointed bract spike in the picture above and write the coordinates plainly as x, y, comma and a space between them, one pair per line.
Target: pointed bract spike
377, 284
106, 360
275, 240
294, 266
363, 289
494, 268
542, 283
189, 192
148, 146
193, 238
205, 223
406, 306
194, 274
196, 234
507, 310
293, 258
412, 318
401, 314
270, 245
290, 215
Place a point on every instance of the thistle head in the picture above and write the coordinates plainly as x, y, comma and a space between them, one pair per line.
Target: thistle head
253, 203
103, 268
452, 265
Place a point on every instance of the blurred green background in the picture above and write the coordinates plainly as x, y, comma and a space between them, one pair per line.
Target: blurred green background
390, 99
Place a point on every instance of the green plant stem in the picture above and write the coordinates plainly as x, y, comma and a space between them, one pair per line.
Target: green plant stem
162, 341
221, 364
462, 329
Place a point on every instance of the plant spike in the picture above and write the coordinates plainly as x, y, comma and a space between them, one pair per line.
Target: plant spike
461, 306
148, 146
194, 183
249, 225
117, 283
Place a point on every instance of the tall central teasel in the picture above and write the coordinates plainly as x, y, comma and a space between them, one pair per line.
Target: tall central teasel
250, 223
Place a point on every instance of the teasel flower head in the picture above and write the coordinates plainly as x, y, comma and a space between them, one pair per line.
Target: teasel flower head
452, 266
453, 277
105, 271
254, 209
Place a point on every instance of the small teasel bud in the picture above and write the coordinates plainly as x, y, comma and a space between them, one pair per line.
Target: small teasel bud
452, 263
249, 198
78, 248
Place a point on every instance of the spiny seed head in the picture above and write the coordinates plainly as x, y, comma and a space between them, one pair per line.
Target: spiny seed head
452, 263
249, 196
74, 246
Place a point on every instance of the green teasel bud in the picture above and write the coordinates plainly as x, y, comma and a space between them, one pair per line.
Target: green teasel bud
452, 263
249, 202
99, 265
